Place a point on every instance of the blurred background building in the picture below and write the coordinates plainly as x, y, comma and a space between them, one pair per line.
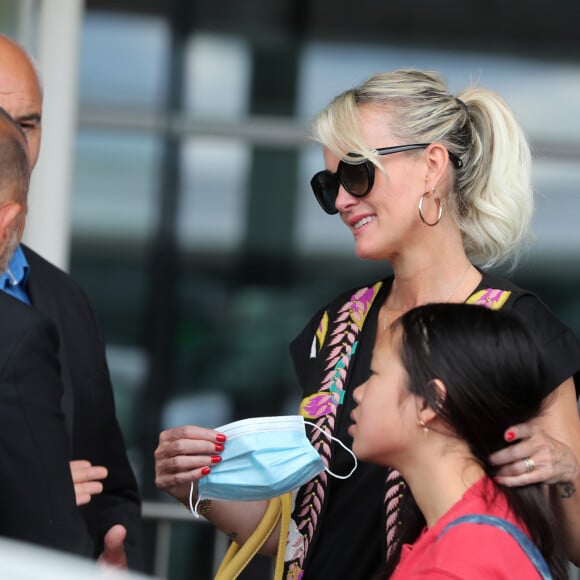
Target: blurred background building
175, 170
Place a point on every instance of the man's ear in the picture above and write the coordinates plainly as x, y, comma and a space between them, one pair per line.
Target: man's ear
9, 212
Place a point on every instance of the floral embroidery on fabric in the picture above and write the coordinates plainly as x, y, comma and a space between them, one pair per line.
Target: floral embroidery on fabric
322, 330
340, 345
316, 405
395, 485
490, 298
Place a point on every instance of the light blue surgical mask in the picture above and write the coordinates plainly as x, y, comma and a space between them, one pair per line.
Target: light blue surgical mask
264, 457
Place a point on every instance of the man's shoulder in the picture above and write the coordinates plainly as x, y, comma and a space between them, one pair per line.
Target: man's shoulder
37, 262
61, 298
48, 274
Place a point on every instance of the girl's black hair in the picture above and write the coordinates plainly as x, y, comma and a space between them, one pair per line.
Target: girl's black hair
494, 377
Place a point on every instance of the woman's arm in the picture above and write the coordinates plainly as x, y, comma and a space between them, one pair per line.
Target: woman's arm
552, 442
238, 519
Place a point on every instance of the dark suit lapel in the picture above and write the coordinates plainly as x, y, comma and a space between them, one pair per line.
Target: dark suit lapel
46, 299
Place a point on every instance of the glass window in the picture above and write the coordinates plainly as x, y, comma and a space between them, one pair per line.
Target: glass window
217, 76
19, 19
116, 185
213, 197
9, 17
328, 69
124, 60
557, 208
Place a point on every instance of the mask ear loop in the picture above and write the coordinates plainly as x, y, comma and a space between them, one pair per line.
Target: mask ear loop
192, 508
342, 445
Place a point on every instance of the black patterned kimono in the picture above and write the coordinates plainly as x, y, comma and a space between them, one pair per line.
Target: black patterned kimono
342, 529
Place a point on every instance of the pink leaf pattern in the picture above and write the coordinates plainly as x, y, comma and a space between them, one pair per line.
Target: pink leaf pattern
394, 485
342, 336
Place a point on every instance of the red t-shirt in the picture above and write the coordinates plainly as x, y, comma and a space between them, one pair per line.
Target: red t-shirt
468, 550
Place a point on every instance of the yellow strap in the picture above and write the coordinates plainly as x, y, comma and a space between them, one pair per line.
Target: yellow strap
237, 558
286, 501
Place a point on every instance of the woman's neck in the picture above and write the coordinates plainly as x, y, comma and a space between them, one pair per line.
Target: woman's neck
422, 283
434, 269
441, 482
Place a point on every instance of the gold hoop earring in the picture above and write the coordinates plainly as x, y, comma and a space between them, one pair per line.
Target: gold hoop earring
438, 201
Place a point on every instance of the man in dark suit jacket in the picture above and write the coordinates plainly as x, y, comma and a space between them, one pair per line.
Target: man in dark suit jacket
37, 497
88, 402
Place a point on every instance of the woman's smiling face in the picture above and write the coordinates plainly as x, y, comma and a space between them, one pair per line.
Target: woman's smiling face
386, 219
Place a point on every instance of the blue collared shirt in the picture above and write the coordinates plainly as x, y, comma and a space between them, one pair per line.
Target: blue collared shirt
13, 281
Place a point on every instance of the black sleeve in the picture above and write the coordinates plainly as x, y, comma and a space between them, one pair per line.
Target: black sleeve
88, 403
559, 346
97, 436
301, 351
37, 501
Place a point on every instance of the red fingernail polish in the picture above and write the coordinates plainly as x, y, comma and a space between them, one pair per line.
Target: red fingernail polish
510, 436
220, 437
215, 458
205, 470
219, 447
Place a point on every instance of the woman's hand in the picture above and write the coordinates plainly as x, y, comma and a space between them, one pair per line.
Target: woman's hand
185, 454
535, 457
547, 449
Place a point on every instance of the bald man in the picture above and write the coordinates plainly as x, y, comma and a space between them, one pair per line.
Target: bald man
105, 486
37, 497
14, 181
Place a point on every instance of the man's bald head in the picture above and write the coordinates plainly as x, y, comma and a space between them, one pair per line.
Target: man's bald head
21, 93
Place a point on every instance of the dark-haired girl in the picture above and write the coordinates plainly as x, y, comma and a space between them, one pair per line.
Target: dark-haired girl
447, 381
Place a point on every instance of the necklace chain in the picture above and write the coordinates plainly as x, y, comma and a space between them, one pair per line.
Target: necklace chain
453, 290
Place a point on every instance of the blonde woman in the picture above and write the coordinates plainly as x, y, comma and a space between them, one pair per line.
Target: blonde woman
430, 183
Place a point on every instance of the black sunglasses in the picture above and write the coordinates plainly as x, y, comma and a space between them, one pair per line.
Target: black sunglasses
357, 178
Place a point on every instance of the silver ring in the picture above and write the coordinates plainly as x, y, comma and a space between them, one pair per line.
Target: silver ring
529, 463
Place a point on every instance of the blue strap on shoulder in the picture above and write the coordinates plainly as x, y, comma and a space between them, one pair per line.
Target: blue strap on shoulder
525, 543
